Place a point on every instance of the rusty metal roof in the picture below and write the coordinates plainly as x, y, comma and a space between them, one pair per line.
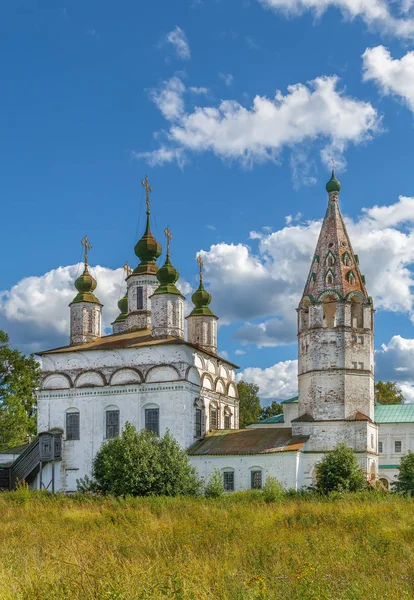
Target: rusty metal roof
130, 339
248, 441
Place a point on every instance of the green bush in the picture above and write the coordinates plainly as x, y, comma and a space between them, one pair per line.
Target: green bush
339, 471
272, 489
405, 477
215, 487
141, 464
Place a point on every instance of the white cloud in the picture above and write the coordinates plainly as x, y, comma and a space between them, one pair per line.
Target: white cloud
227, 78
278, 381
375, 13
199, 90
317, 112
393, 76
265, 285
178, 39
240, 352
395, 362
35, 311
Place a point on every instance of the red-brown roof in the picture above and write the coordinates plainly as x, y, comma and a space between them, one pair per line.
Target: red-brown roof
248, 441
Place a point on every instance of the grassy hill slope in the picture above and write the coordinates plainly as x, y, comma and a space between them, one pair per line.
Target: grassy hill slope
237, 547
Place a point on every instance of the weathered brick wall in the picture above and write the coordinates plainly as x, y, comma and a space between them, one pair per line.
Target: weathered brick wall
85, 322
140, 318
202, 331
167, 315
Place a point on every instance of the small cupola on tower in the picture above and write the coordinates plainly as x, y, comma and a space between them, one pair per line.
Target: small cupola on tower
167, 302
202, 322
85, 308
142, 281
119, 325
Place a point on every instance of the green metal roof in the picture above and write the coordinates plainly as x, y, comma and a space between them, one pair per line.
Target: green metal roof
275, 419
388, 466
394, 413
290, 400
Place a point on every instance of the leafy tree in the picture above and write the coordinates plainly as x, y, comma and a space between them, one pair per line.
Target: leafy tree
339, 471
215, 487
249, 403
405, 477
19, 377
272, 489
387, 392
141, 464
271, 411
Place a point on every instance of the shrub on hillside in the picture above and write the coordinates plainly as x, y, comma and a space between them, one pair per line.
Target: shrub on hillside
339, 471
272, 489
405, 477
214, 487
141, 464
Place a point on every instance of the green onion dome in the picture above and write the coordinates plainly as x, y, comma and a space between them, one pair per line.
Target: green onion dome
148, 250
167, 276
333, 184
201, 298
123, 307
86, 284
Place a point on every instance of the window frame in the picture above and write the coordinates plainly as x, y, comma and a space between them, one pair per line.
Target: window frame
253, 473
380, 447
69, 428
111, 411
198, 423
214, 409
152, 425
228, 481
395, 446
140, 297
227, 421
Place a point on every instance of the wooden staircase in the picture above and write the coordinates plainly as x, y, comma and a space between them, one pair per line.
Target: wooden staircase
46, 447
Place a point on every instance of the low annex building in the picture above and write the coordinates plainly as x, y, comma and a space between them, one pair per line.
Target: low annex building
148, 373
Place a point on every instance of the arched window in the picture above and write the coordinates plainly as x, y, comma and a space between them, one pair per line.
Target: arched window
329, 277
227, 418
356, 312
350, 277
330, 259
329, 311
346, 259
256, 478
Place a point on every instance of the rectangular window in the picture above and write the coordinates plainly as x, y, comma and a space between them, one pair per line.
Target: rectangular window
198, 423
380, 448
213, 418
372, 440
227, 422
140, 298
256, 480
228, 481
112, 423
72, 426
152, 420
398, 447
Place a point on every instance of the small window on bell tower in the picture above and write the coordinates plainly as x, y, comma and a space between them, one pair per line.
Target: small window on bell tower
140, 298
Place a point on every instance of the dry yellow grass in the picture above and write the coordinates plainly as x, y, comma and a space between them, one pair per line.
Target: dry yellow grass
232, 548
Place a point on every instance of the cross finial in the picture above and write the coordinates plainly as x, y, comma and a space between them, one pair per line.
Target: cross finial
200, 262
86, 245
127, 270
148, 189
169, 238
333, 165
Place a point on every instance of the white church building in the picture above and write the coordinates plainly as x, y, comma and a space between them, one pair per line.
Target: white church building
147, 373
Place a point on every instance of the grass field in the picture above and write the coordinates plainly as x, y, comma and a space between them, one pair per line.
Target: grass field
236, 547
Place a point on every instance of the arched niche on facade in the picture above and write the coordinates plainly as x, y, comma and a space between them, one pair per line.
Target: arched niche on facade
193, 376
223, 372
162, 373
211, 367
207, 382
57, 381
232, 390
90, 379
329, 310
220, 386
125, 376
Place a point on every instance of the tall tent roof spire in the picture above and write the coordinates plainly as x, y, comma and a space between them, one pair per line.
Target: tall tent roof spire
334, 267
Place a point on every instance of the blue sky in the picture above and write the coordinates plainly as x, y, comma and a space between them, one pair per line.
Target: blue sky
98, 94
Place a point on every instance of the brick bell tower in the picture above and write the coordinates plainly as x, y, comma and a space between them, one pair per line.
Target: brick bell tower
336, 346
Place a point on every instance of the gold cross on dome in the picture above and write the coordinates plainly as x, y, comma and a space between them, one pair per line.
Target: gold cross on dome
169, 238
200, 262
127, 270
86, 245
148, 189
